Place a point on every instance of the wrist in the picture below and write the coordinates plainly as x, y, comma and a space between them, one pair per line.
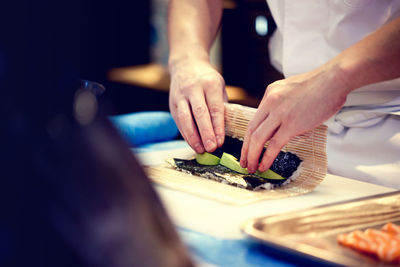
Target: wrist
343, 75
184, 60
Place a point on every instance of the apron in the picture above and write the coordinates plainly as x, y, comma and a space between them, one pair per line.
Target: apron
364, 136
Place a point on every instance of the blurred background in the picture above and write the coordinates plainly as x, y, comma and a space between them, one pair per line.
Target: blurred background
137, 76
124, 46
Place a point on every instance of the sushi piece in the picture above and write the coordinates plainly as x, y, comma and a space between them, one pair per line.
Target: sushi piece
383, 244
391, 228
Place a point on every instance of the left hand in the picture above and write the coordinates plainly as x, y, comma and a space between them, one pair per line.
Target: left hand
291, 107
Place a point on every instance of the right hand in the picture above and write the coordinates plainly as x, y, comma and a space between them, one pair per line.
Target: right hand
196, 101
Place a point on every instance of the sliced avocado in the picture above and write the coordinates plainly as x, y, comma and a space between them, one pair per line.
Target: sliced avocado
268, 174
207, 159
232, 163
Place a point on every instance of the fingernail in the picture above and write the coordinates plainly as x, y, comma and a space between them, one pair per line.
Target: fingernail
199, 148
210, 145
219, 140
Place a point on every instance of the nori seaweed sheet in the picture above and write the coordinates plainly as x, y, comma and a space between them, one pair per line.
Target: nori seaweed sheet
219, 172
285, 164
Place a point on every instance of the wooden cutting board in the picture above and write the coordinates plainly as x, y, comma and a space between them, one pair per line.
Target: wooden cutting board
210, 189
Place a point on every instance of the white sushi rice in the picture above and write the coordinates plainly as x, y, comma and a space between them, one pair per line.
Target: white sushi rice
269, 186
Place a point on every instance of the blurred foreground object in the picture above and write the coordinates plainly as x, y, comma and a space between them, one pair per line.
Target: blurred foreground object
77, 197
72, 193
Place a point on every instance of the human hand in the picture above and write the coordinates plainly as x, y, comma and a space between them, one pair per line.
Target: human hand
196, 102
291, 107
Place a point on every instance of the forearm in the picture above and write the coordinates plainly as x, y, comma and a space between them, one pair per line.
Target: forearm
374, 59
192, 27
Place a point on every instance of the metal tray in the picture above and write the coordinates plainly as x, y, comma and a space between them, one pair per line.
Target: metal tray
312, 233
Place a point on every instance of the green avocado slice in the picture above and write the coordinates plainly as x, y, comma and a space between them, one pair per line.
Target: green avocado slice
232, 163
268, 174
207, 159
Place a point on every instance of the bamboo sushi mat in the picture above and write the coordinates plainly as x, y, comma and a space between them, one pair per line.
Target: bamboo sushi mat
310, 147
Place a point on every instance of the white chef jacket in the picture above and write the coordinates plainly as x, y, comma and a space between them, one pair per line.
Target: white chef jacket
364, 137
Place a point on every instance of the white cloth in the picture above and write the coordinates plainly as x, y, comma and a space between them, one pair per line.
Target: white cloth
364, 143
363, 140
370, 154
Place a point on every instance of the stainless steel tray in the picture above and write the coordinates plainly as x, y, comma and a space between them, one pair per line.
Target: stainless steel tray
313, 232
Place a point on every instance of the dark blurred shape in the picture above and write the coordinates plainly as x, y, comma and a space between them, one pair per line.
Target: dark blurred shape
71, 192
77, 197
128, 98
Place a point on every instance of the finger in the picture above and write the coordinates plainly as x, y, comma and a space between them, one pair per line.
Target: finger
258, 118
187, 126
261, 115
257, 141
203, 119
173, 110
215, 103
225, 95
277, 141
179, 127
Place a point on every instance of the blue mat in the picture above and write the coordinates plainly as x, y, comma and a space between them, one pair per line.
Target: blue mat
141, 128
